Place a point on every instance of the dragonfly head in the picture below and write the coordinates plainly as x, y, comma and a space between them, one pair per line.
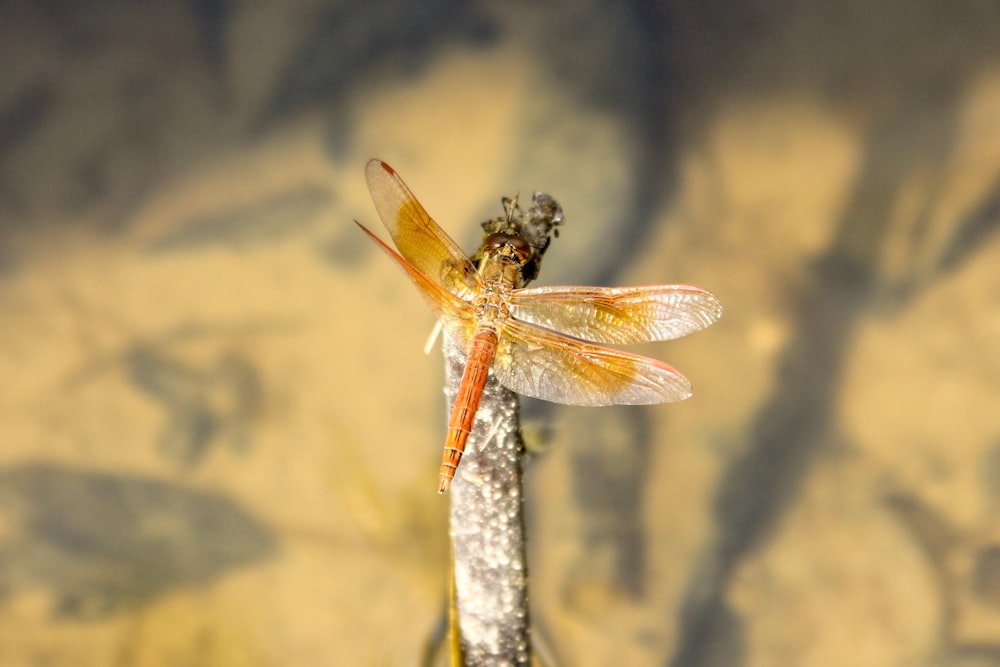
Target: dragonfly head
536, 227
503, 257
511, 250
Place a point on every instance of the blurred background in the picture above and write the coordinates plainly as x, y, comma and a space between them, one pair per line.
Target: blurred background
219, 435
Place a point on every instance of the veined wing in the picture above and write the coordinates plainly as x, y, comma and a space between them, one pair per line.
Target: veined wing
543, 364
618, 315
419, 239
456, 315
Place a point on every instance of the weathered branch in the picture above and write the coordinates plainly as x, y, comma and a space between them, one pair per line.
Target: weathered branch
487, 529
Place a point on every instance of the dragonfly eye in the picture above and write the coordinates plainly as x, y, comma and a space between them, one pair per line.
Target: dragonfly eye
513, 247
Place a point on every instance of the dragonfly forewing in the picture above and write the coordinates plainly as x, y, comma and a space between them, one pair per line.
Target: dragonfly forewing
618, 315
419, 239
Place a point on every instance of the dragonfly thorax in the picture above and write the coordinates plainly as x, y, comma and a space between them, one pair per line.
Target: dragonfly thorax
490, 307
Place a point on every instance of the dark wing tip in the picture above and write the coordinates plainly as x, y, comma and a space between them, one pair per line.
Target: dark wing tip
375, 161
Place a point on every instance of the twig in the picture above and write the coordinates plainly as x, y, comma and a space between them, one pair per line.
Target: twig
487, 529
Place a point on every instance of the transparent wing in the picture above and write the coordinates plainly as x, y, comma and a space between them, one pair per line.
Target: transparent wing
543, 364
419, 239
618, 315
455, 314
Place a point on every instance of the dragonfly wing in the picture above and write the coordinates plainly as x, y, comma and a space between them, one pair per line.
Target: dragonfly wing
419, 239
543, 364
455, 314
618, 315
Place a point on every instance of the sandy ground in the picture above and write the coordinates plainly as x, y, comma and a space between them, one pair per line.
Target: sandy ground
220, 435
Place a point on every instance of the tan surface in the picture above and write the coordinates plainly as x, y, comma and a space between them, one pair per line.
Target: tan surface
219, 435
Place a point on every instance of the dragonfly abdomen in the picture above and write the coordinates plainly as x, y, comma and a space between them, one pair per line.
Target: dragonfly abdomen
470, 393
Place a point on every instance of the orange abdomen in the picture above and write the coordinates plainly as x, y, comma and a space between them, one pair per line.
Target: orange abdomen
470, 393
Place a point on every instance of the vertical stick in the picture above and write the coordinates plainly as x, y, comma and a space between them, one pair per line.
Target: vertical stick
487, 529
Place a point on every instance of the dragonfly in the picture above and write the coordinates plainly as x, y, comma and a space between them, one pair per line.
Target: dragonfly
545, 342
